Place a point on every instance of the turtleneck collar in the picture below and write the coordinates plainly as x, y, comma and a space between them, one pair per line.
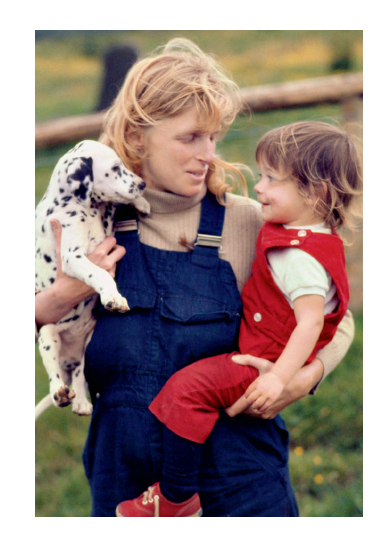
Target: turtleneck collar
165, 202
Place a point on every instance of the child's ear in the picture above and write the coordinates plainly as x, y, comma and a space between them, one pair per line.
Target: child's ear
320, 194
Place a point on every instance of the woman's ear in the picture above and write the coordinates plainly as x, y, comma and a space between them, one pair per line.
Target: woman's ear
137, 138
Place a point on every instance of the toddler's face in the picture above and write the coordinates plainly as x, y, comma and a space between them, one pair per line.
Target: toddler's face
281, 201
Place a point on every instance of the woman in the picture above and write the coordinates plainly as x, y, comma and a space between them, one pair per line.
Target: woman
182, 275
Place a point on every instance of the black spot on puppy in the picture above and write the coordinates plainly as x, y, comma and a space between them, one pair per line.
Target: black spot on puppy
80, 175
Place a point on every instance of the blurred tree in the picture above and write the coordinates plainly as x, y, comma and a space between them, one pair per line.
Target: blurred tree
342, 53
117, 61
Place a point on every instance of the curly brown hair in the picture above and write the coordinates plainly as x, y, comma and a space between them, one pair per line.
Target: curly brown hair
324, 161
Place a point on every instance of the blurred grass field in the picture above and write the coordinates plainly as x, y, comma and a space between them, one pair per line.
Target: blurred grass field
326, 429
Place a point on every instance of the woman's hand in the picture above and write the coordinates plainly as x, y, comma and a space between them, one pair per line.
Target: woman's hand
300, 385
66, 292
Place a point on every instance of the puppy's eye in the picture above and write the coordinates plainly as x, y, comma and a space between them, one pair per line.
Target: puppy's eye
116, 168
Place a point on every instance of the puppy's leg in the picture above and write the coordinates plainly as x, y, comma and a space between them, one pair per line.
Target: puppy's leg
99, 279
80, 404
75, 263
49, 344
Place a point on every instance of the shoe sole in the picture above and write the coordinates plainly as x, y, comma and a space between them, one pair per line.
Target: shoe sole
197, 514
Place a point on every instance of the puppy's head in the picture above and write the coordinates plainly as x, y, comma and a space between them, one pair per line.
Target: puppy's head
103, 176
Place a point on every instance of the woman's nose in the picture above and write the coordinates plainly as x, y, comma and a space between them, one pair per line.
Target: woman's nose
207, 151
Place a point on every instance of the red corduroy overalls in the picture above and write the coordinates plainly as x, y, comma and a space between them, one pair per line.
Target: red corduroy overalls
190, 401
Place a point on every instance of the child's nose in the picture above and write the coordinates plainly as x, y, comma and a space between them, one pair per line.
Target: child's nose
258, 188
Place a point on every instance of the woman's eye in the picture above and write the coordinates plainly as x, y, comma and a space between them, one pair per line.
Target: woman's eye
188, 138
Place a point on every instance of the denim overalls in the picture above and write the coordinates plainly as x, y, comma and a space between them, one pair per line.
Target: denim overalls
184, 306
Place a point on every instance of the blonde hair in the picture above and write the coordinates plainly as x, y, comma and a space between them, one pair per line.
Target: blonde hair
165, 84
325, 163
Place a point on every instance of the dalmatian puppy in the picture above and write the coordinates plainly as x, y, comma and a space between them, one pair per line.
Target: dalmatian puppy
86, 186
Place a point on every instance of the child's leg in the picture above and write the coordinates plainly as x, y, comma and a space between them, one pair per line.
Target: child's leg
190, 402
189, 406
181, 465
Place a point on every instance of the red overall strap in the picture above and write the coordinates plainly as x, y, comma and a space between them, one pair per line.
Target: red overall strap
269, 319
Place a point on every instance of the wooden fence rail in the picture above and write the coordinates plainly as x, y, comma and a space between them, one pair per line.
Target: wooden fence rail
330, 89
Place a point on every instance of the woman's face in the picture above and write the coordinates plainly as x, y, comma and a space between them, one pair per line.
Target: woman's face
178, 154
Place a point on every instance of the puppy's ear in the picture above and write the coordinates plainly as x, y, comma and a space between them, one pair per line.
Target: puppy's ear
80, 178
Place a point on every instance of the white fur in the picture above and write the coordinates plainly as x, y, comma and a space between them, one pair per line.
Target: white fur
86, 186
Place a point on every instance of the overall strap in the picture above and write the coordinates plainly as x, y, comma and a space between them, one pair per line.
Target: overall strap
208, 240
125, 218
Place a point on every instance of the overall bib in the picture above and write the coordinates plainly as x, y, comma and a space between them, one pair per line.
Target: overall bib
184, 306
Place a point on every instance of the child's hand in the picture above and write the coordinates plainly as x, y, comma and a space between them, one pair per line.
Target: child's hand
264, 391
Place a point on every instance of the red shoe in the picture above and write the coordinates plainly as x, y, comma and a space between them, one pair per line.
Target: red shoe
152, 503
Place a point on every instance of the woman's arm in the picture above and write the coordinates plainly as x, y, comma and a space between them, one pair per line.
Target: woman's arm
307, 379
334, 352
55, 302
301, 384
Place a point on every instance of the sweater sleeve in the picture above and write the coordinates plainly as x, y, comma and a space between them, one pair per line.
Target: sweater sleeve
333, 353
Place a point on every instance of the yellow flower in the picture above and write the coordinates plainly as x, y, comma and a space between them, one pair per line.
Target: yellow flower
318, 479
317, 460
299, 451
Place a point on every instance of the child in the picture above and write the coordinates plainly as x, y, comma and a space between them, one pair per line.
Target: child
293, 302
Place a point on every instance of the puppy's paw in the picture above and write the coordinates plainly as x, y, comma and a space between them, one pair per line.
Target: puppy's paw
63, 397
81, 407
116, 303
142, 205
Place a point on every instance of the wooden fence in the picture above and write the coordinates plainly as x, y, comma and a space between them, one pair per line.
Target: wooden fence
342, 88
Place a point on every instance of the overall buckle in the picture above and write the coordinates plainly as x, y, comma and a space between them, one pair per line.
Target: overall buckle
205, 240
126, 226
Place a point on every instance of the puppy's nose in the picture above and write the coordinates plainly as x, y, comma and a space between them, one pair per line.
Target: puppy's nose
142, 186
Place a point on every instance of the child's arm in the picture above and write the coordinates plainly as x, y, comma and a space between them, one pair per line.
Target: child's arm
309, 313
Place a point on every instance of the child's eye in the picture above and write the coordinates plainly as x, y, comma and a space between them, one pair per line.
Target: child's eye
270, 178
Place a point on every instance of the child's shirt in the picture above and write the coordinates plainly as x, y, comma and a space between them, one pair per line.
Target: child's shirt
297, 273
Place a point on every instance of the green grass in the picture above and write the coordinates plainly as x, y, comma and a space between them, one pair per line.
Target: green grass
326, 429
328, 426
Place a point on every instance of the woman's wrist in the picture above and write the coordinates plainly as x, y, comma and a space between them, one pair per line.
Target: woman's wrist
55, 302
311, 376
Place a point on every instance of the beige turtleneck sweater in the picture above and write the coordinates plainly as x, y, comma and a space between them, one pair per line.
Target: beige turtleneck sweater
173, 217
